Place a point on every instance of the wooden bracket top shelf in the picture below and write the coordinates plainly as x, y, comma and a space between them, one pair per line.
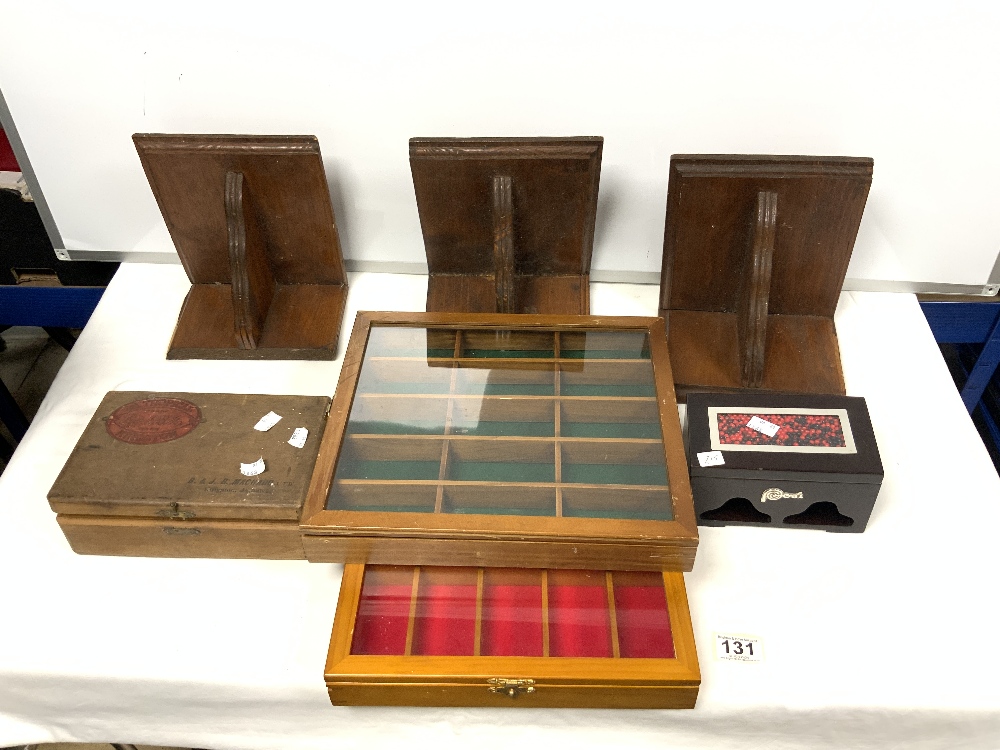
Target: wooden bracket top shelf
508, 223
755, 252
251, 219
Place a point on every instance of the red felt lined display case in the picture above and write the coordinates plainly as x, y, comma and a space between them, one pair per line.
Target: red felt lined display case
438, 636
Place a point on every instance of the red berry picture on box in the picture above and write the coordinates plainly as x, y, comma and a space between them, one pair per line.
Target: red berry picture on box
780, 429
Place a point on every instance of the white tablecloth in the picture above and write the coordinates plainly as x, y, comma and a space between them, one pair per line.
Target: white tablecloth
886, 638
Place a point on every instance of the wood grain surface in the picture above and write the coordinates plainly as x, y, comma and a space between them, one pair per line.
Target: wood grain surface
715, 285
493, 209
251, 219
179, 491
610, 682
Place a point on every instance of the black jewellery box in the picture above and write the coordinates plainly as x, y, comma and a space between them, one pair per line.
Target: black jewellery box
782, 460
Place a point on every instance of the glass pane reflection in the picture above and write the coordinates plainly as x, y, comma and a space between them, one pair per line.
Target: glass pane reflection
504, 422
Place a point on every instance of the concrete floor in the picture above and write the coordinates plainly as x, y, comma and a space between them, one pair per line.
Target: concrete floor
28, 365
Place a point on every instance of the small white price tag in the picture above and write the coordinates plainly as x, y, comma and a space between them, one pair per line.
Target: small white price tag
252, 470
298, 438
268, 421
738, 648
762, 425
711, 458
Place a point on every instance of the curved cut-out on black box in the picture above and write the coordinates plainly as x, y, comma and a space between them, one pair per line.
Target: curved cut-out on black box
820, 514
738, 510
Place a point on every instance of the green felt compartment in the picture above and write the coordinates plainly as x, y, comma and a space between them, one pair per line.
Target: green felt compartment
641, 514
579, 473
429, 427
501, 471
602, 354
594, 389
436, 353
411, 351
392, 341
509, 353
636, 430
508, 429
505, 389
357, 469
336, 504
500, 510
402, 386
605, 344
519, 389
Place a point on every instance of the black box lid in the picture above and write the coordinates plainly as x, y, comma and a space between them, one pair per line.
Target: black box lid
827, 438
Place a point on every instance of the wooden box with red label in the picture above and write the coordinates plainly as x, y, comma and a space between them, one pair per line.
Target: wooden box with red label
190, 475
795, 461
524, 638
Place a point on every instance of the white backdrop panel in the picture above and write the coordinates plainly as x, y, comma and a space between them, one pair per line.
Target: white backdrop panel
913, 86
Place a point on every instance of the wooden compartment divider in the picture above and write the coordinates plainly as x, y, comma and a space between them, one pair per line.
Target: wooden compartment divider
557, 419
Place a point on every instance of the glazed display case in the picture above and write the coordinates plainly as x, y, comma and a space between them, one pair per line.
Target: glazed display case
430, 636
524, 441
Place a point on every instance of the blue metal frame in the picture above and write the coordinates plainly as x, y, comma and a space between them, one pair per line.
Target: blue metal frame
969, 323
48, 306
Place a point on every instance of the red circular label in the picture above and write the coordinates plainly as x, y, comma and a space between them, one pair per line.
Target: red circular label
153, 420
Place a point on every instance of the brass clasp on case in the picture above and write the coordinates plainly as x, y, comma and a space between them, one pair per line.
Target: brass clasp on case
509, 687
175, 513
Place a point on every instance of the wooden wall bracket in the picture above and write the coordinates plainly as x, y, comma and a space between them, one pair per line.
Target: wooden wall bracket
508, 223
503, 242
253, 279
751, 314
750, 304
251, 219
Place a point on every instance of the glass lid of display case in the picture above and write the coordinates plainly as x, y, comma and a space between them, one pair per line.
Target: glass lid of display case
436, 611
557, 423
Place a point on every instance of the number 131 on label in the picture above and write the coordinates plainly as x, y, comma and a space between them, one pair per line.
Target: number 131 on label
738, 648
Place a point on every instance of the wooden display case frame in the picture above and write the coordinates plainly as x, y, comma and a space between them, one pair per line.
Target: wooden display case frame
755, 253
252, 222
512, 681
467, 539
508, 223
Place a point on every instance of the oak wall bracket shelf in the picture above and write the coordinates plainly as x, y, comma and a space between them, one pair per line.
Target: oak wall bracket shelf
251, 219
508, 223
755, 253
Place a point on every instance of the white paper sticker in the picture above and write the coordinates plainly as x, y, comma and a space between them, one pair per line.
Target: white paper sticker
298, 438
268, 421
252, 470
738, 647
762, 425
711, 458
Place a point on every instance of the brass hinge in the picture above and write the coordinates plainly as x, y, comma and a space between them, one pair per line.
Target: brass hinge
509, 687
